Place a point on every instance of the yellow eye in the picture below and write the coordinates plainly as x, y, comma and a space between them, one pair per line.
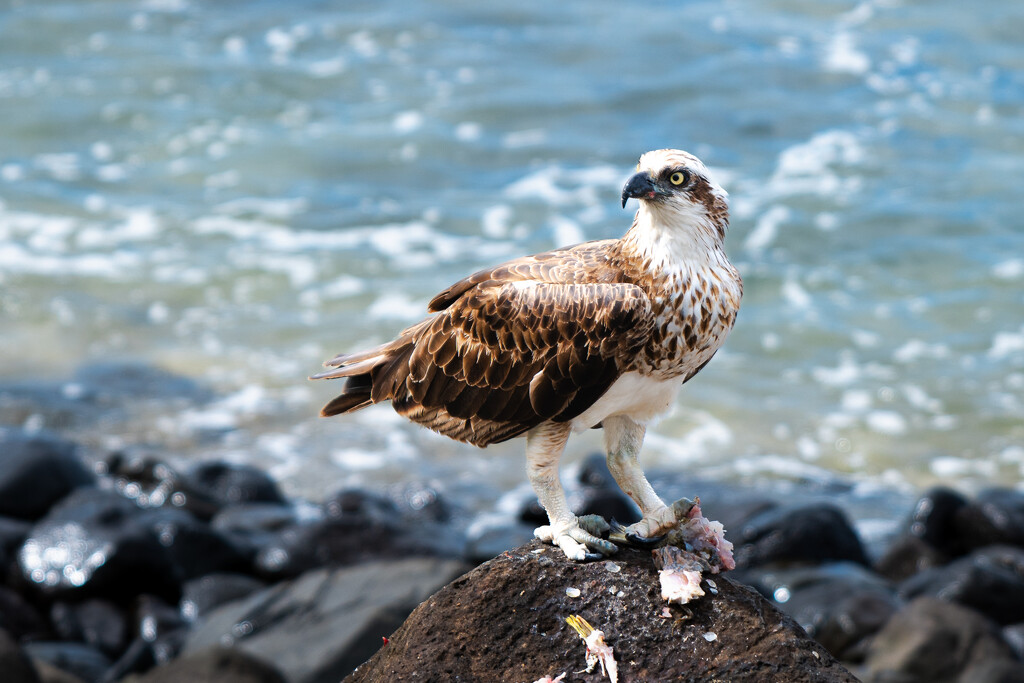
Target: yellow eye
678, 178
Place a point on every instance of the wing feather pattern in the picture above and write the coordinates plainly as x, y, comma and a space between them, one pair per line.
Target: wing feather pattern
536, 339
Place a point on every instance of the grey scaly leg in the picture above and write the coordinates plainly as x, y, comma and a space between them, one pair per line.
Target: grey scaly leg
623, 438
544, 446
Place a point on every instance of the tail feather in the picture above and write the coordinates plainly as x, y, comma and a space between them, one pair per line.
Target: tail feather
352, 369
346, 403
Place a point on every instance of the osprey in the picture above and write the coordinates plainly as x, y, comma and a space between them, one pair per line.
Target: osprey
600, 334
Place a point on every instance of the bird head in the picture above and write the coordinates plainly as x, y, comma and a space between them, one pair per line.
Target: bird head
674, 185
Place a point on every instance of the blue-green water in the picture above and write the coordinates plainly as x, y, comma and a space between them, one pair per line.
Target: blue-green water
236, 191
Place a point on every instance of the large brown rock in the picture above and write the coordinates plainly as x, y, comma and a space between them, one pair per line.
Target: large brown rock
505, 621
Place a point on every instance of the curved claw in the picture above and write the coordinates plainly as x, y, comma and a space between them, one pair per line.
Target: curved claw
589, 557
642, 541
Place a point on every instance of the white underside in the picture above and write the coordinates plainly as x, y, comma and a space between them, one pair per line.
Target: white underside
638, 397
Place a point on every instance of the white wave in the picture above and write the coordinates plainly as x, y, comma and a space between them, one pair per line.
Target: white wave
887, 422
842, 55
1005, 344
767, 228
407, 122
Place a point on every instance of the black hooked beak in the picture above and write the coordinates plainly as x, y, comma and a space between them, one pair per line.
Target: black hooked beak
639, 186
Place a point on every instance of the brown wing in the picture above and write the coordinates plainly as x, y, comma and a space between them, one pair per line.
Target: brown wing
506, 352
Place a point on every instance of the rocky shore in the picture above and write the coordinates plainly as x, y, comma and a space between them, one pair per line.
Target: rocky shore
127, 568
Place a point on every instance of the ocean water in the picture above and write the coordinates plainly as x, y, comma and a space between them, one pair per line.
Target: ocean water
236, 191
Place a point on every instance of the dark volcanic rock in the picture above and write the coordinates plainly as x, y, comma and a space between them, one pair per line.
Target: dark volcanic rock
15, 665
907, 556
934, 641
990, 581
12, 533
36, 471
223, 484
994, 517
356, 526
318, 627
505, 621
95, 622
808, 533
97, 542
84, 661
213, 666
207, 592
841, 605
933, 519
1014, 635
18, 618
147, 481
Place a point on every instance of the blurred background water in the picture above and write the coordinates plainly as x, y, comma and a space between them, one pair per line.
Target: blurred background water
236, 191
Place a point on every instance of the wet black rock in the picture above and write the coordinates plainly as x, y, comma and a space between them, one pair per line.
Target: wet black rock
933, 520
994, 671
354, 526
19, 618
807, 533
989, 581
36, 471
12, 534
14, 663
215, 665
933, 641
145, 480
195, 547
213, 590
320, 626
1014, 635
84, 661
159, 634
95, 622
350, 540
222, 484
908, 555
420, 502
255, 519
96, 542
841, 605
994, 517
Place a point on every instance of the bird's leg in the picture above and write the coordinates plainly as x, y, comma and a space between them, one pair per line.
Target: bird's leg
623, 438
544, 446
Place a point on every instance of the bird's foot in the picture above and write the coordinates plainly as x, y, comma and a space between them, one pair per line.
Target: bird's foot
579, 539
652, 529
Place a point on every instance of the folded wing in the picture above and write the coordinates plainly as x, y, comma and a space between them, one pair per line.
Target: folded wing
502, 356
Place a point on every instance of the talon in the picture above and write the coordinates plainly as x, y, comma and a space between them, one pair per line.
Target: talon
589, 557
638, 541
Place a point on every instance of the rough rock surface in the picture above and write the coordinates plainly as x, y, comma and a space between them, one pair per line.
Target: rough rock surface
505, 621
213, 666
937, 642
319, 627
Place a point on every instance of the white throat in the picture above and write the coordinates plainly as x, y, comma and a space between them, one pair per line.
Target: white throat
672, 235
